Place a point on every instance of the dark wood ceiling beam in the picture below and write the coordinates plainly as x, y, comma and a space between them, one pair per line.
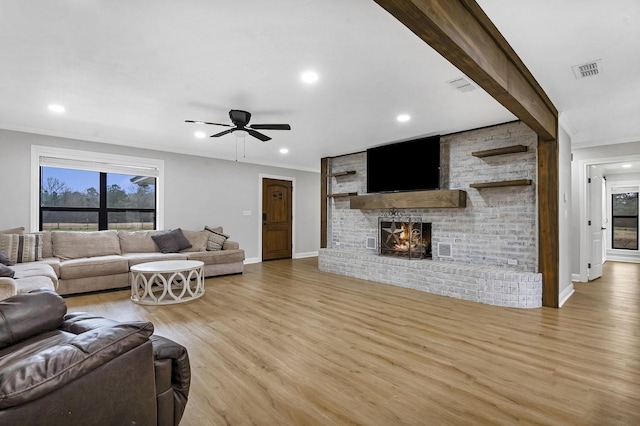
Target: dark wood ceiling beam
463, 34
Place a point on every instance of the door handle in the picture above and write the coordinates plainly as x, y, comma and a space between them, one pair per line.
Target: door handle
264, 218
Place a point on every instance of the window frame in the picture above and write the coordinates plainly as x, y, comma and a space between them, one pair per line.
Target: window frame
613, 217
93, 161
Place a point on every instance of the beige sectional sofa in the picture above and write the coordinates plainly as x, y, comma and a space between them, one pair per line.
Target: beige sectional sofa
79, 262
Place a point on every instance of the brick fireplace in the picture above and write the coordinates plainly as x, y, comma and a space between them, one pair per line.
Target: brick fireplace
492, 247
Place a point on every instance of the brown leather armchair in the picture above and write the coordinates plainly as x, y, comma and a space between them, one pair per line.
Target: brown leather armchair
79, 369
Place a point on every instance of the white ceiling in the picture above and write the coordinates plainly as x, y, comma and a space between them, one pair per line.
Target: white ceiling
130, 73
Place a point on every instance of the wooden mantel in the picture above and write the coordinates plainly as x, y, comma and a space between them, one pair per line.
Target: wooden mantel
444, 198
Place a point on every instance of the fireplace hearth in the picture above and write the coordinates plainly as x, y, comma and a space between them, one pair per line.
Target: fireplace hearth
405, 237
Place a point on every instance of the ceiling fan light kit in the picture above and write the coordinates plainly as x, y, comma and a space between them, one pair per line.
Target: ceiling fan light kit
240, 120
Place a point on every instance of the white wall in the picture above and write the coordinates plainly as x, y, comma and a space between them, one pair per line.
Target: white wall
198, 191
565, 285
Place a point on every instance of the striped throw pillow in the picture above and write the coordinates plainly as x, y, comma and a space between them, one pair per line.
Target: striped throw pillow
216, 238
21, 248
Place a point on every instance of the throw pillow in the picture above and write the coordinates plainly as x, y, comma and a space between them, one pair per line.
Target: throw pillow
5, 271
171, 241
216, 238
22, 248
19, 230
5, 260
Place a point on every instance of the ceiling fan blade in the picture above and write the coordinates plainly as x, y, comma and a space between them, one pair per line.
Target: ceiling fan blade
206, 122
271, 126
258, 135
222, 133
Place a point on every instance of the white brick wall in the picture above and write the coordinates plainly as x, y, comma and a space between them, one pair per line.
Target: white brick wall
498, 224
484, 284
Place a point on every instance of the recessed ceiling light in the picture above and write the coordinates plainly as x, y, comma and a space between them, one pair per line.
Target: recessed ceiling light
57, 108
403, 117
309, 77
626, 166
284, 151
200, 135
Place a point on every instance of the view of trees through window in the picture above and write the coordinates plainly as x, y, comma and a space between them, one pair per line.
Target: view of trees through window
87, 201
624, 212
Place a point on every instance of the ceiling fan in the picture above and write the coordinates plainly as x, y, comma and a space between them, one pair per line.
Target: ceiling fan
240, 119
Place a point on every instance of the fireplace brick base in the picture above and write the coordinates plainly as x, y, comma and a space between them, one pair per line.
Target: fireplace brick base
484, 284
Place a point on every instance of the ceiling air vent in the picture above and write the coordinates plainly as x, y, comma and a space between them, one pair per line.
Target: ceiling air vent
461, 84
590, 69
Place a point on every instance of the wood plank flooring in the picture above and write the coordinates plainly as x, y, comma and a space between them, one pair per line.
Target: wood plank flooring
286, 344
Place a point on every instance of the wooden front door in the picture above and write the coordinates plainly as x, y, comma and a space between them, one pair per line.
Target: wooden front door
276, 219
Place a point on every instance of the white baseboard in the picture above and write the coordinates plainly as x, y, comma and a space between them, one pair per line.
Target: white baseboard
565, 295
623, 257
295, 256
306, 254
576, 278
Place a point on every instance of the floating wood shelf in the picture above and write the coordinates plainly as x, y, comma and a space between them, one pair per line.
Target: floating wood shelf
342, 194
444, 198
346, 173
500, 151
518, 182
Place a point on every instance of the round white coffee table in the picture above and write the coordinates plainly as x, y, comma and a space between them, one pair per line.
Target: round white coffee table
167, 282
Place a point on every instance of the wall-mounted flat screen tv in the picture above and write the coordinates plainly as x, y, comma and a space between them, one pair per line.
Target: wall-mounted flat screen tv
404, 166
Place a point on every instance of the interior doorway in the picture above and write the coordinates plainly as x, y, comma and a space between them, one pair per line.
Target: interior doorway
591, 206
595, 223
277, 219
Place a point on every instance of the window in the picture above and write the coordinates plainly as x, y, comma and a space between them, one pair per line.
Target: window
81, 200
76, 191
624, 221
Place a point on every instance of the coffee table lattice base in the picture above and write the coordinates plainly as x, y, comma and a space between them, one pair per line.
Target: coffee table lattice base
164, 286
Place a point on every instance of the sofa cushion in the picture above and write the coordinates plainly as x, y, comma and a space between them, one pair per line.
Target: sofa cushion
137, 258
171, 241
137, 241
35, 269
197, 239
231, 245
216, 238
21, 247
19, 230
47, 247
93, 267
36, 282
6, 271
217, 257
26, 315
54, 262
75, 245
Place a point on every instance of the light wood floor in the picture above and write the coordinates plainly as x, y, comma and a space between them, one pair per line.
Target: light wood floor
287, 344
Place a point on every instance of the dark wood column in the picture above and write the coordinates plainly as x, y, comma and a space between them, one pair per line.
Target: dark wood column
548, 245
463, 34
324, 169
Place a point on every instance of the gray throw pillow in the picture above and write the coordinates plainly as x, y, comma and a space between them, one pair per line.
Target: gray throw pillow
4, 259
172, 241
5, 271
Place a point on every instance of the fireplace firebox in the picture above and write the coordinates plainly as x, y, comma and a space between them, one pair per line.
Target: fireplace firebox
405, 237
